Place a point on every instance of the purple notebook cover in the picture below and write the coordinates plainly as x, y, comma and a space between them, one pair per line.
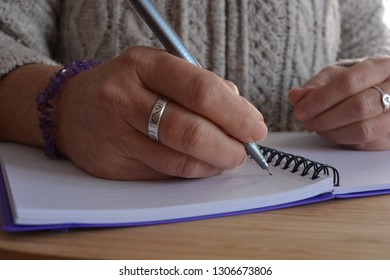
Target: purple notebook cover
9, 225
362, 194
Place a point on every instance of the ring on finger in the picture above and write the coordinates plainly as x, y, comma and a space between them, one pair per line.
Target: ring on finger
155, 117
385, 98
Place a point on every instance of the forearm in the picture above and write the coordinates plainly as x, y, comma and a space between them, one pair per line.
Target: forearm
18, 113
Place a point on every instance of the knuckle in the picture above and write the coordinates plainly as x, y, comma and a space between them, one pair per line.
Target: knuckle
363, 132
243, 115
323, 76
320, 101
95, 167
132, 61
350, 83
106, 98
386, 61
361, 107
329, 69
207, 88
374, 60
194, 135
359, 146
236, 161
188, 168
166, 59
132, 54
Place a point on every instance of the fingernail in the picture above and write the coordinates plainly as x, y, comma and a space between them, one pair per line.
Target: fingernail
243, 160
233, 87
260, 131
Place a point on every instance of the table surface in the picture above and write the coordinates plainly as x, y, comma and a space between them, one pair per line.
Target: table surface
356, 228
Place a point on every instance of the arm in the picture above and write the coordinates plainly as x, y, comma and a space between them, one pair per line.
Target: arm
27, 36
18, 113
101, 115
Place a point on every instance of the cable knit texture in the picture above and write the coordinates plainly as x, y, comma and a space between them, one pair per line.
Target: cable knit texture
265, 46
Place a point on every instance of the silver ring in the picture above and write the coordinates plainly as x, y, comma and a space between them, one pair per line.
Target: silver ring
385, 97
155, 117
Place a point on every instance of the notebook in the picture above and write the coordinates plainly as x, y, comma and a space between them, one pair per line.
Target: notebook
39, 193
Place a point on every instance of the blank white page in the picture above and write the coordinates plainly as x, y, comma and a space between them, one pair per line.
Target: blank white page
359, 170
46, 191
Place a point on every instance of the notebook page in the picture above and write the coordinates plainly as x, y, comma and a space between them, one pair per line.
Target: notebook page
45, 192
359, 170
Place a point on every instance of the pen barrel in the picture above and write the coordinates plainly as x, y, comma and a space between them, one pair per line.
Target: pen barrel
254, 151
162, 30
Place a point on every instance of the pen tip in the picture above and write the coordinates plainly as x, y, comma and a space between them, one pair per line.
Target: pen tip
269, 172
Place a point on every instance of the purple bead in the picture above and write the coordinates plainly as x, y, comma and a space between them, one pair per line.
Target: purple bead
46, 96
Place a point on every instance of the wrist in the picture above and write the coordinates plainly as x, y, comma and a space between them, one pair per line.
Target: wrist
18, 114
46, 97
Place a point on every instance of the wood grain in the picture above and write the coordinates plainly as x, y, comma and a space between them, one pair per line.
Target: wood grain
339, 229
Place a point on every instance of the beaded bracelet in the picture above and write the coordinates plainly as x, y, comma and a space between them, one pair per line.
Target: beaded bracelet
45, 107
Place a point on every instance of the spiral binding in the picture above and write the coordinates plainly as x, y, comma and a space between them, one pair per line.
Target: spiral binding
297, 163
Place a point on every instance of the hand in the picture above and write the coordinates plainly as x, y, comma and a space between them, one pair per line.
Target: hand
102, 117
340, 104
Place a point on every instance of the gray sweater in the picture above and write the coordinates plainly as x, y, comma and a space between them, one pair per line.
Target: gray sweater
265, 46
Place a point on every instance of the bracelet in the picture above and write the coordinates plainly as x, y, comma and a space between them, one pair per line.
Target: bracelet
45, 107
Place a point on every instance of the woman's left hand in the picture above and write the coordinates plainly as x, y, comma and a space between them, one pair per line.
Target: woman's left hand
341, 105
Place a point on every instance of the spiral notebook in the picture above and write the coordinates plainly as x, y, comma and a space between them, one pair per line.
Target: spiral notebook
39, 193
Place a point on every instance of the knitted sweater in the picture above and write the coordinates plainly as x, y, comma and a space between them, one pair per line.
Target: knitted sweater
266, 47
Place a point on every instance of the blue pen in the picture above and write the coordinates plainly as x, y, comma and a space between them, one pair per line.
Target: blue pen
172, 43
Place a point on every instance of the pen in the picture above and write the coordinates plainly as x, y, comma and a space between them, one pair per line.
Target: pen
172, 43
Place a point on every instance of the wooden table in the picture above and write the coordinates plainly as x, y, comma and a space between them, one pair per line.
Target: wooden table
339, 229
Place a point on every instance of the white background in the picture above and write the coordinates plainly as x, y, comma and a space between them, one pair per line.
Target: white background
386, 17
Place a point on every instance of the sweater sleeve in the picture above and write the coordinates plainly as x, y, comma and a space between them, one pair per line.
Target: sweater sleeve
363, 32
28, 32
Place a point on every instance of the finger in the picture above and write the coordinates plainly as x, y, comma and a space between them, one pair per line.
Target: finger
201, 91
325, 76
129, 169
380, 144
232, 86
151, 162
116, 164
356, 79
360, 132
136, 157
321, 79
359, 107
296, 94
184, 131
163, 160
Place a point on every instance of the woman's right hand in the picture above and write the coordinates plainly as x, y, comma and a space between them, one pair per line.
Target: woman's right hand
102, 119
